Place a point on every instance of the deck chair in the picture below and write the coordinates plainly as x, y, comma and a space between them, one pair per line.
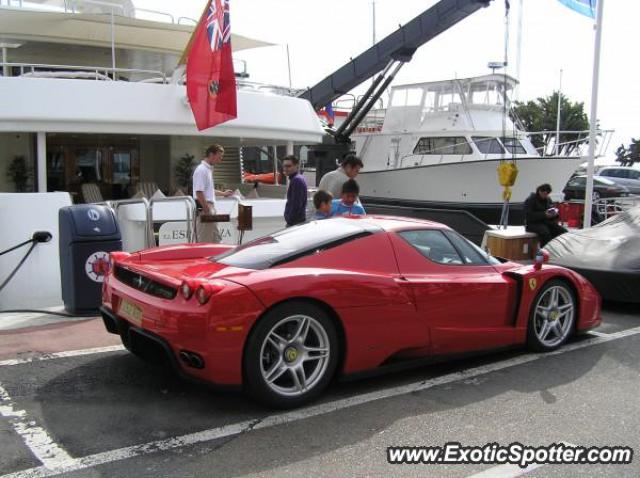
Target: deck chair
147, 189
91, 193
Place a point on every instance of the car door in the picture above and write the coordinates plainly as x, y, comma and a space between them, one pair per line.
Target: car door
465, 303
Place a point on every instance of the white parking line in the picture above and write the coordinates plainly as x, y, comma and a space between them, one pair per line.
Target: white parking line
506, 471
50, 454
511, 471
598, 333
56, 355
301, 414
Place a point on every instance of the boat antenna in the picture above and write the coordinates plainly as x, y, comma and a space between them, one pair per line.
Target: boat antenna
289, 66
507, 8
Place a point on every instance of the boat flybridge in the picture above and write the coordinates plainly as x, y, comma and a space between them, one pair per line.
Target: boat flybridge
439, 144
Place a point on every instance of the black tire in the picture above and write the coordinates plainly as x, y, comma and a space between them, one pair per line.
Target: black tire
534, 342
254, 359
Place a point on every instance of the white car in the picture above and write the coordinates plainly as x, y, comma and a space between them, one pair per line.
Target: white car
623, 172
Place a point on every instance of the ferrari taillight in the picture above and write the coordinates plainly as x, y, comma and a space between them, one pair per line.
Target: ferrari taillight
186, 290
115, 257
205, 291
202, 294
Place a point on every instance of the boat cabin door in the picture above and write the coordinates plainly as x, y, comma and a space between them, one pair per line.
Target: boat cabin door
393, 156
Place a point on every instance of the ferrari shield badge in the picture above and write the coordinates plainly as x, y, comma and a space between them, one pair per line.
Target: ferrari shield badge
533, 283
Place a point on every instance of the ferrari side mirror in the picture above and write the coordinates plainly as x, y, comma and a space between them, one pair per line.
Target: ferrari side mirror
542, 257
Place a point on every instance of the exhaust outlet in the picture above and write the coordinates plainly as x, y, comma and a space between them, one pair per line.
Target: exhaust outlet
191, 359
184, 356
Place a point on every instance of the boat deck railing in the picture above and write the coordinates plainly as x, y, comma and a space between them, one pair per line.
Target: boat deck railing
576, 148
99, 6
132, 75
100, 73
609, 207
571, 144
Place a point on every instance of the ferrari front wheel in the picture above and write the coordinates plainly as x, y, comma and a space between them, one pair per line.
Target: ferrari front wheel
552, 317
291, 355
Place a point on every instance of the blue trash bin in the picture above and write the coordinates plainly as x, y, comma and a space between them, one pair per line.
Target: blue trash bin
88, 233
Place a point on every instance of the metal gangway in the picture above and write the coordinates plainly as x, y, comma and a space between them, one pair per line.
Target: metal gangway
141, 220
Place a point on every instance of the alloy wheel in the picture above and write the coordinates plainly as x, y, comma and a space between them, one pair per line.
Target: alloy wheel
294, 355
554, 316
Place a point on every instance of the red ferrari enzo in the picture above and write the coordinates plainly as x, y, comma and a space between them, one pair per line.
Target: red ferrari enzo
284, 314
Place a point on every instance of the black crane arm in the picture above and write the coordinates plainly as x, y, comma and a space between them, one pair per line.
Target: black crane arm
399, 46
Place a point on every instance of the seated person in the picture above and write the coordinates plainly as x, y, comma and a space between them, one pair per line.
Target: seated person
348, 204
322, 203
540, 215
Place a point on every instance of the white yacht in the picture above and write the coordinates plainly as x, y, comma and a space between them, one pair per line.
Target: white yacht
93, 108
91, 92
439, 144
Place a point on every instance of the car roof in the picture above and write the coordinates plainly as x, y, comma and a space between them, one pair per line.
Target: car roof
393, 223
620, 167
601, 179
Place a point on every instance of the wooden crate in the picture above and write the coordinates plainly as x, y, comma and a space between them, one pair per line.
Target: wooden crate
514, 245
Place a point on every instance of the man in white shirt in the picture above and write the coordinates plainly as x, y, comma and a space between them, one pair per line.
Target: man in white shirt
204, 193
332, 181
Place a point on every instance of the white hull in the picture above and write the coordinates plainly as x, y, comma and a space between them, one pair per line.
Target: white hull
466, 183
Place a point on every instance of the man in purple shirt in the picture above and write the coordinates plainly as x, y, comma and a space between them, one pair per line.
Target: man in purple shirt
296, 207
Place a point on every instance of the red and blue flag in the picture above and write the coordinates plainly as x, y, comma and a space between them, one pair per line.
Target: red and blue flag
211, 81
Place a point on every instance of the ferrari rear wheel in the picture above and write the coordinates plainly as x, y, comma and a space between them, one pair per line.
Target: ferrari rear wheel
291, 355
552, 317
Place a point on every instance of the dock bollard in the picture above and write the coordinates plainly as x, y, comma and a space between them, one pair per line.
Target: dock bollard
245, 219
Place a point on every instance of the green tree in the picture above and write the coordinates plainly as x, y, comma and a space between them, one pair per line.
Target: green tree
629, 155
19, 173
541, 116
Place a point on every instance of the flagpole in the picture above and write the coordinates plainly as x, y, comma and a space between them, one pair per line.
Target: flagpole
187, 48
588, 199
558, 116
519, 50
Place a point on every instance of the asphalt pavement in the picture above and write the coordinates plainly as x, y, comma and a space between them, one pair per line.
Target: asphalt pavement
102, 412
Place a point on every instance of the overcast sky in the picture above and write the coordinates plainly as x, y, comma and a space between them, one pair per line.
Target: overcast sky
323, 35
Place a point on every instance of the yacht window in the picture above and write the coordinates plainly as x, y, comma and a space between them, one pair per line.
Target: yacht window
443, 145
488, 145
414, 96
430, 101
513, 146
433, 245
407, 97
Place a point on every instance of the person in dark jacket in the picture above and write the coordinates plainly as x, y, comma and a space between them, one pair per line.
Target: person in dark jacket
295, 211
540, 215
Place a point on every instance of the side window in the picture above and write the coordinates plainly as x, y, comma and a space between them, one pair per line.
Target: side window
433, 245
443, 145
488, 145
513, 146
471, 254
576, 182
633, 174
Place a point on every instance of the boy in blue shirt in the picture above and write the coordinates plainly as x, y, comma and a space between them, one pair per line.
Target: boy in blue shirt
322, 203
348, 204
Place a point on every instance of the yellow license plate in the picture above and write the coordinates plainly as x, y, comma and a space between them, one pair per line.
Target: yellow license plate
131, 311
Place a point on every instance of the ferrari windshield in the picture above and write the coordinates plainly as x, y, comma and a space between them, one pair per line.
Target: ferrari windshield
294, 242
